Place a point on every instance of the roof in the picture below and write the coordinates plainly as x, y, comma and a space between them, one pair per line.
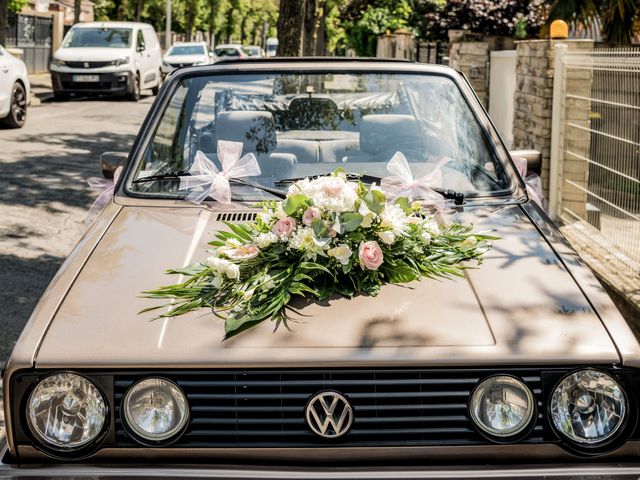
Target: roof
313, 59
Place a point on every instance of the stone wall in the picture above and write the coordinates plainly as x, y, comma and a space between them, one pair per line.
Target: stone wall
472, 59
534, 97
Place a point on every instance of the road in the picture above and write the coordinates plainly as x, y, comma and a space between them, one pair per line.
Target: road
44, 195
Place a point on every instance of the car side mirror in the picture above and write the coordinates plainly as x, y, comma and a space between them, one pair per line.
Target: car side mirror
533, 158
110, 161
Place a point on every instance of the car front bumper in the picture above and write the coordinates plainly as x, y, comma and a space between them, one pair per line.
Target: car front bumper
10, 470
108, 82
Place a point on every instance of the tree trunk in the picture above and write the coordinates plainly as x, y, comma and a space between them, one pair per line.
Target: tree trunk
243, 26
139, 7
4, 13
77, 9
310, 28
290, 26
190, 18
121, 9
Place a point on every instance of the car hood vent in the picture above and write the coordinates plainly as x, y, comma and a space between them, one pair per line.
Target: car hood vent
237, 216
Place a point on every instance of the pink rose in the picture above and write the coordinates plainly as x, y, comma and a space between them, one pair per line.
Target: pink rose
284, 227
370, 255
309, 215
243, 252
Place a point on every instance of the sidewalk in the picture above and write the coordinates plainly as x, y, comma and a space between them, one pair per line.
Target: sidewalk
41, 88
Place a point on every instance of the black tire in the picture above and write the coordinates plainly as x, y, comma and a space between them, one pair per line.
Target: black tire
18, 109
134, 94
155, 90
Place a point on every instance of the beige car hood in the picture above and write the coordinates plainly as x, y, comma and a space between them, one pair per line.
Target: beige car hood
520, 306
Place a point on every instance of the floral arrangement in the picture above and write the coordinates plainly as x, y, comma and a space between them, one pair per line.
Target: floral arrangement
329, 236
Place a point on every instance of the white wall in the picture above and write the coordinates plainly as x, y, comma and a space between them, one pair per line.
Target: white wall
502, 87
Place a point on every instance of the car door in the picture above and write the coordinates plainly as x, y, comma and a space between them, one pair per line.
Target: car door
154, 54
142, 57
6, 81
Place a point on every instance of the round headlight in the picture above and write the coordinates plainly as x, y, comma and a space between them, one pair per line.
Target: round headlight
588, 407
501, 406
155, 409
66, 411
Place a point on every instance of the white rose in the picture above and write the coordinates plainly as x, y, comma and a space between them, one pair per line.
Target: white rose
426, 238
387, 236
232, 271
265, 239
342, 253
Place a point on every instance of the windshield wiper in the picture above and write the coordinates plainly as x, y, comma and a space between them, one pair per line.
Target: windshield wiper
457, 197
176, 175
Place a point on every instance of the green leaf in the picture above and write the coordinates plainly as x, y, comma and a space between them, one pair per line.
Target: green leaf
350, 221
400, 272
319, 227
240, 230
194, 269
404, 204
375, 201
294, 202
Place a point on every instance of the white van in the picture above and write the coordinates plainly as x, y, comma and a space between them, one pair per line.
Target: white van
107, 57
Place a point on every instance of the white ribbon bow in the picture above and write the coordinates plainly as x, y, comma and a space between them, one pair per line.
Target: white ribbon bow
204, 173
107, 188
401, 182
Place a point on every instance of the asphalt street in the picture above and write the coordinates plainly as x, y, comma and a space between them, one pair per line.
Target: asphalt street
44, 196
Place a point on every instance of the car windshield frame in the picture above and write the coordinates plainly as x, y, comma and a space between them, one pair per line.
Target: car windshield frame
68, 40
513, 192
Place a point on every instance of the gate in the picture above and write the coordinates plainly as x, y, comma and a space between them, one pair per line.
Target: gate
32, 34
595, 160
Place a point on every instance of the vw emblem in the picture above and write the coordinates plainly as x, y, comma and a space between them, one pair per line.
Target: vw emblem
329, 414
86, 64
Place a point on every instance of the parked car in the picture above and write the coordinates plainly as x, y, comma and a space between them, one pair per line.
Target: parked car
255, 51
522, 368
107, 57
272, 47
230, 50
185, 54
14, 90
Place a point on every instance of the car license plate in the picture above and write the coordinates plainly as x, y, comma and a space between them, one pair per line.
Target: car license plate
86, 78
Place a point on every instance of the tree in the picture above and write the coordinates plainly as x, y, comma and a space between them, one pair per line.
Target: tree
4, 12
290, 27
77, 10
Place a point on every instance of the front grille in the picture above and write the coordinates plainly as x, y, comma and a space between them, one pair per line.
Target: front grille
265, 408
237, 216
88, 64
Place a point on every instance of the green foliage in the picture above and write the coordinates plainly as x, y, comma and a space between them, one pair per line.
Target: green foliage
16, 5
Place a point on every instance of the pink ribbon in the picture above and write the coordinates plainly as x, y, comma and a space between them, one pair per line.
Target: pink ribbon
401, 182
215, 183
107, 188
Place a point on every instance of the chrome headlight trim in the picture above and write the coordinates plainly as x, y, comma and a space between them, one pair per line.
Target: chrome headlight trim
145, 437
516, 433
53, 448
607, 439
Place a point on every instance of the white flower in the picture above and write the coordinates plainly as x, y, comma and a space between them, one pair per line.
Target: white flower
431, 226
266, 218
342, 253
330, 193
246, 296
217, 281
280, 213
221, 266
394, 218
267, 283
304, 239
425, 238
470, 241
367, 215
387, 237
263, 240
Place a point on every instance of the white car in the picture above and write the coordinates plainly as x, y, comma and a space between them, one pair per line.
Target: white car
14, 90
185, 54
231, 50
107, 57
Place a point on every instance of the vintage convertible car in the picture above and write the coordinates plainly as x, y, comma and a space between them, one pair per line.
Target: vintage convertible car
523, 368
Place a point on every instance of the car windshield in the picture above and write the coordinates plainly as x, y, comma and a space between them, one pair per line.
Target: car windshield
227, 52
300, 125
98, 37
187, 50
